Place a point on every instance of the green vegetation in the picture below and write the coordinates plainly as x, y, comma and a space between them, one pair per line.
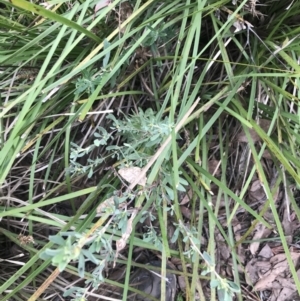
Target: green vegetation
133, 130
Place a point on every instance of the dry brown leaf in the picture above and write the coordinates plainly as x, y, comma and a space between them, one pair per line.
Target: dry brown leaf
265, 282
286, 282
266, 252
271, 279
186, 212
278, 249
267, 155
261, 232
101, 4
186, 199
241, 252
130, 174
25, 239
279, 258
213, 167
181, 282
125, 11
254, 268
121, 243
275, 294
263, 123
223, 249
251, 272
108, 203
286, 294
287, 224
258, 235
256, 191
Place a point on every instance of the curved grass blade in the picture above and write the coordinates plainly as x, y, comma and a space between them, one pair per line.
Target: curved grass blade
36, 9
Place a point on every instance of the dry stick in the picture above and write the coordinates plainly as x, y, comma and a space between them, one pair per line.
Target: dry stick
102, 220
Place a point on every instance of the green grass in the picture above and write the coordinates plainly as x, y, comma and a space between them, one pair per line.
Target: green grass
165, 86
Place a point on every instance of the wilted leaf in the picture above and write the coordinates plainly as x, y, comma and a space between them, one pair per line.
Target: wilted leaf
266, 282
269, 273
125, 11
256, 191
254, 269
121, 243
186, 212
108, 203
214, 167
186, 199
101, 4
239, 25
181, 282
263, 123
130, 174
266, 252
286, 222
260, 233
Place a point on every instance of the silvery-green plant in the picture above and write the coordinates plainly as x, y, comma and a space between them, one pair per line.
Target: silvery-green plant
139, 134
225, 288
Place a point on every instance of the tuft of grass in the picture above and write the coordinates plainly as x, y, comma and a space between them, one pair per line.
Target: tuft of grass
198, 99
